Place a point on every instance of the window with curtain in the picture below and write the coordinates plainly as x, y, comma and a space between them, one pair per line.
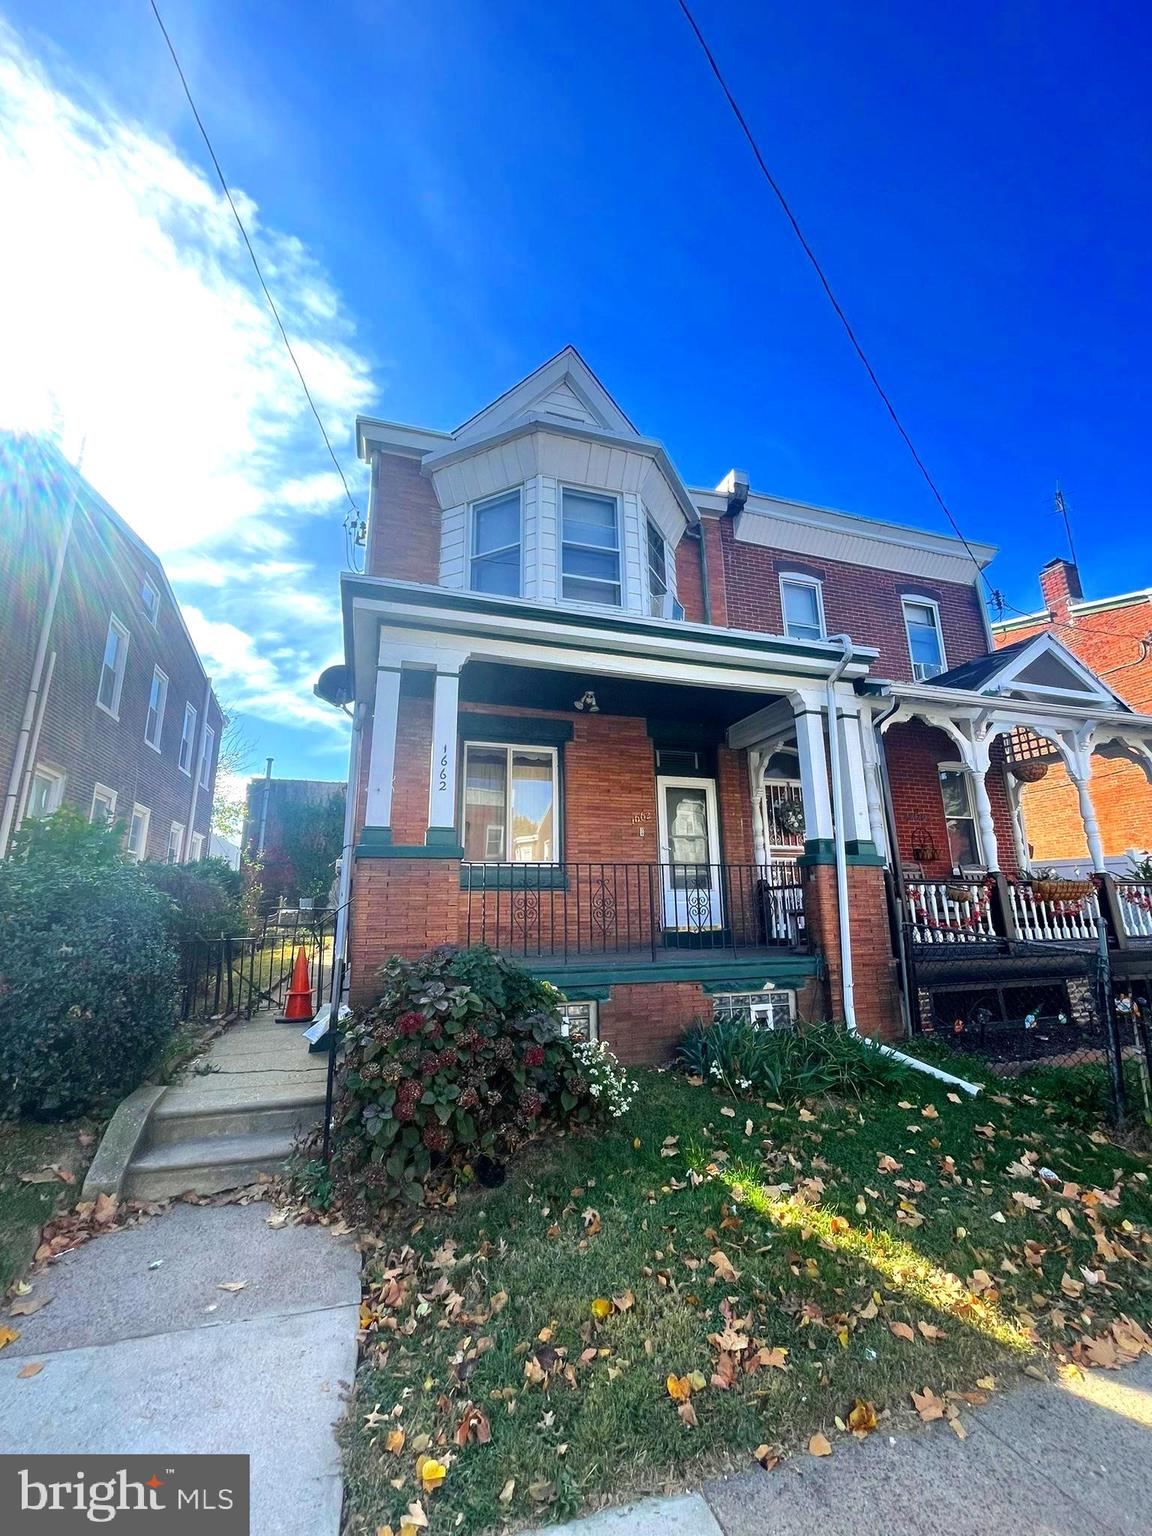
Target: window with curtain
963, 841
590, 548
495, 554
509, 804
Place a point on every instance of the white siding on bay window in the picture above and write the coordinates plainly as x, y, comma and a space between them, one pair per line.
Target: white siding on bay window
454, 547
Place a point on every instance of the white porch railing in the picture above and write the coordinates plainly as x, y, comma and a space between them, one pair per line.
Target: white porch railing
950, 911
1134, 900
1078, 918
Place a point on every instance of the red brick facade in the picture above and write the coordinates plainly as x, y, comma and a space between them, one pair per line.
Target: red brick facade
914, 752
1109, 640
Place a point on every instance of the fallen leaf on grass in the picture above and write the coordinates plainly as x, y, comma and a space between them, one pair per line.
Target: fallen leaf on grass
862, 1419
721, 1263
33, 1368
623, 1303
542, 1493
930, 1112
473, 1425
987, 1383
931, 1332
498, 1302
767, 1456
505, 1494
679, 1388
601, 1308
430, 1472
726, 1109
687, 1415
819, 1445
394, 1444
902, 1331
928, 1405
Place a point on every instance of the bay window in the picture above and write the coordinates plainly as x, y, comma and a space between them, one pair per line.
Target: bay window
590, 548
494, 564
509, 804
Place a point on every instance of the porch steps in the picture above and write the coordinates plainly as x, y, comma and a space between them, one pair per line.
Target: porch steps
256, 1094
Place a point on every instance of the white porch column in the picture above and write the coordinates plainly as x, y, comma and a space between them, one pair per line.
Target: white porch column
442, 778
382, 761
857, 825
872, 789
813, 770
1081, 776
756, 789
1019, 832
989, 845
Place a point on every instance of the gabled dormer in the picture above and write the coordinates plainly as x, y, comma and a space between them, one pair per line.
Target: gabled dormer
550, 494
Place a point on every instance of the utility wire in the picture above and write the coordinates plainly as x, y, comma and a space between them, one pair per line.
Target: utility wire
354, 520
997, 598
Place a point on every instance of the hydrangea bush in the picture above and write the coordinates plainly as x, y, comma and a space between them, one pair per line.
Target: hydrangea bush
464, 1054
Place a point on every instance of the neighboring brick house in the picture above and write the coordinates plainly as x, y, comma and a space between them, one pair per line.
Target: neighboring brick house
105, 705
1113, 636
616, 726
289, 823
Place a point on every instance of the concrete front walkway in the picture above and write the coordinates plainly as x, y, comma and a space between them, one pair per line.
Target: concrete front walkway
141, 1351
1067, 1460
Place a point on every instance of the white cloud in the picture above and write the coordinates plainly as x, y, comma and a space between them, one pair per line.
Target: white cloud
131, 323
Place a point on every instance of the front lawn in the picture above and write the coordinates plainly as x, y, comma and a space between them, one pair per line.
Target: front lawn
707, 1280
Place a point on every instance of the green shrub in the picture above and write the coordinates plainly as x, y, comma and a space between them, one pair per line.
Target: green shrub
750, 1061
87, 973
463, 1055
206, 898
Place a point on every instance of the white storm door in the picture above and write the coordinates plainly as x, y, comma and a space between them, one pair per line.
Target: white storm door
689, 854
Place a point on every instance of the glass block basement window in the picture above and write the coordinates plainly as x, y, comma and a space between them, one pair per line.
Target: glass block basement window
581, 1021
770, 1010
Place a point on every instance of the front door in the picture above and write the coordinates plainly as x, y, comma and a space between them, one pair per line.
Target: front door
689, 854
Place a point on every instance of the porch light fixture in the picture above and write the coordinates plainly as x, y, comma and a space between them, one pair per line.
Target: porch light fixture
587, 700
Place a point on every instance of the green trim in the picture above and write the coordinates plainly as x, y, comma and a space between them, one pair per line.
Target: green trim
437, 837
817, 850
514, 877
407, 851
591, 994
862, 845
515, 730
372, 838
722, 974
866, 861
822, 851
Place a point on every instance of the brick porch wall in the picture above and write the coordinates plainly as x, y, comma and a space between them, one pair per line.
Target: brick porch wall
873, 966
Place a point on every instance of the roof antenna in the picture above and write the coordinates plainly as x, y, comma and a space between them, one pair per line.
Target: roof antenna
1062, 511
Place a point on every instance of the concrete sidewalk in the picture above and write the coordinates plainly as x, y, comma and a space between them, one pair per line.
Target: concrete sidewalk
1068, 1460
141, 1351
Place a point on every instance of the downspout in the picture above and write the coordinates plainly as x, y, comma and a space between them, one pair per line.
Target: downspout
31, 703
264, 808
704, 574
34, 745
344, 885
841, 859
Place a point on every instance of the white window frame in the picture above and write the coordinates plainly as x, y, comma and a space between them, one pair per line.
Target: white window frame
57, 779
122, 665
510, 747
175, 835
965, 779
152, 613
207, 749
196, 847
594, 494
659, 603
188, 740
145, 815
923, 602
579, 1021
100, 794
158, 674
770, 1008
800, 579
478, 506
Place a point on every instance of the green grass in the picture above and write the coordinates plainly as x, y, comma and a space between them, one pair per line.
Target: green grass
811, 1273
24, 1208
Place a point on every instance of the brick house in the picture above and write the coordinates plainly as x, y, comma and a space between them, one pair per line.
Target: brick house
686, 752
1113, 636
272, 809
105, 705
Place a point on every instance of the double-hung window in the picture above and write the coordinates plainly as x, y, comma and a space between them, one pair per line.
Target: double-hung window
590, 548
188, 739
138, 832
657, 571
175, 842
802, 604
196, 853
510, 809
103, 812
112, 667
46, 793
495, 553
925, 642
963, 838
157, 699
150, 599
206, 752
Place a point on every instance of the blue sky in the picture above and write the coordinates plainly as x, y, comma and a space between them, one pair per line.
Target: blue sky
446, 194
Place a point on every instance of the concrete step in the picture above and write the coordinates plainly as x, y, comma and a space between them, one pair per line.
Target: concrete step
207, 1166
227, 1117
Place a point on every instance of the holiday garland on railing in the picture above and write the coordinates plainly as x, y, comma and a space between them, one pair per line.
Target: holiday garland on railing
1136, 896
978, 903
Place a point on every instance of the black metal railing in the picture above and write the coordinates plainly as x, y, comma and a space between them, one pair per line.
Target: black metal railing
575, 909
244, 973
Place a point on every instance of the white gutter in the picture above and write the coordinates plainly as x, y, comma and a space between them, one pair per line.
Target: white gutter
34, 746
197, 774
344, 886
31, 703
848, 983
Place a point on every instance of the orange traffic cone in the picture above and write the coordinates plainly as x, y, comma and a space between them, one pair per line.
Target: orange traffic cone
298, 1009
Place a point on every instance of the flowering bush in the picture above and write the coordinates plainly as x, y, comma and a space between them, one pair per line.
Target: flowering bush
608, 1083
463, 1055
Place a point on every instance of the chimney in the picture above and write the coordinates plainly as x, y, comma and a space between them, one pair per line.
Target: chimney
1060, 586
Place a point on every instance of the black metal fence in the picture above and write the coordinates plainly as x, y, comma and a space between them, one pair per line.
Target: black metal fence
242, 974
575, 909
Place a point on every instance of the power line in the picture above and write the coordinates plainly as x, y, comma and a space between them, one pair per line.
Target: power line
996, 597
355, 519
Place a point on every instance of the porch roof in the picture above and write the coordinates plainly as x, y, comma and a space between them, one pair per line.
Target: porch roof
430, 622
